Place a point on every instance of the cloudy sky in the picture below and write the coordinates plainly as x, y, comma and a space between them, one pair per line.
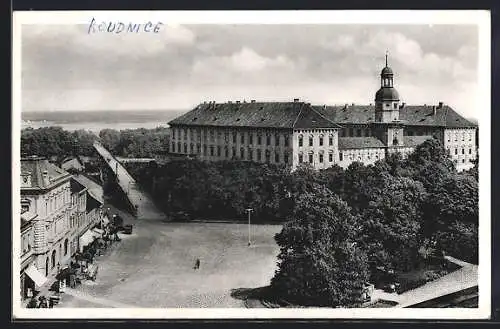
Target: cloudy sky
64, 68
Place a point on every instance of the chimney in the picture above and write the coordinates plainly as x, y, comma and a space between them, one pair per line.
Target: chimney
440, 105
45, 177
346, 106
295, 100
324, 107
252, 101
238, 102
434, 110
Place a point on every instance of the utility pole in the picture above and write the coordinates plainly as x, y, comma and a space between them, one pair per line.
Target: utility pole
249, 210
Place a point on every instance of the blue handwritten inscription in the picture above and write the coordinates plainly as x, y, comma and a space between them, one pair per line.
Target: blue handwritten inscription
119, 27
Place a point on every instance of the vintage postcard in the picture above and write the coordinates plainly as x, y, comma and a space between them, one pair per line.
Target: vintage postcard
251, 165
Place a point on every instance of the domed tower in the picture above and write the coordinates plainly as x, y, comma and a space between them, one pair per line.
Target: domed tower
387, 97
387, 125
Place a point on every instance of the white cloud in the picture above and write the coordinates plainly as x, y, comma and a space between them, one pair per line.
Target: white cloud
245, 61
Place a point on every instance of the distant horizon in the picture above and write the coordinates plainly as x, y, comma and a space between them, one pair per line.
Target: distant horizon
40, 111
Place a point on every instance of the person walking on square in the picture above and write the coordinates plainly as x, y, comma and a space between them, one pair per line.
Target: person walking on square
197, 264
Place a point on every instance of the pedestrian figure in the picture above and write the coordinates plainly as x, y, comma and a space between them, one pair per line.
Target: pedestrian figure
43, 302
32, 303
197, 264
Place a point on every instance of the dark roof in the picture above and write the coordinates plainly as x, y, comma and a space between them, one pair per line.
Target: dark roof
386, 71
412, 115
387, 94
35, 166
359, 143
92, 203
76, 186
255, 114
24, 222
415, 140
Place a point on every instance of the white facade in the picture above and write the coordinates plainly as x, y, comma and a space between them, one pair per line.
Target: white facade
220, 143
317, 147
461, 144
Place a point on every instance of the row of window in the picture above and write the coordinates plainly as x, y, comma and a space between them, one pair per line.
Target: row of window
249, 154
457, 137
234, 137
463, 151
321, 140
311, 157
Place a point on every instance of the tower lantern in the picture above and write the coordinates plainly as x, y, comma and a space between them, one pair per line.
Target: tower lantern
387, 97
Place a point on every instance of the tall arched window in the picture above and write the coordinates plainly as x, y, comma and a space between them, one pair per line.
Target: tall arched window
301, 141
53, 259
65, 247
47, 266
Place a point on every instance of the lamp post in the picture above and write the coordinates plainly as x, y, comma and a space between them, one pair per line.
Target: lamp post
249, 211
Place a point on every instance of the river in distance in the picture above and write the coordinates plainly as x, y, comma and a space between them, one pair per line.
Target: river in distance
96, 121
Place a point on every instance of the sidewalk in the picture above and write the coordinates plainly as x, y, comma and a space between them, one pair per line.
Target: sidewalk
461, 279
145, 207
105, 303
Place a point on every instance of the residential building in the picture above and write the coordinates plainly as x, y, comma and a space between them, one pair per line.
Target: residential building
28, 265
45, 191
73, 164
78, 217
297, 132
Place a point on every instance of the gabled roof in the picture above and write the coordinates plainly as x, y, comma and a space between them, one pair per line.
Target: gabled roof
412, 115
76, 186
359, 143
255, 114
35, 166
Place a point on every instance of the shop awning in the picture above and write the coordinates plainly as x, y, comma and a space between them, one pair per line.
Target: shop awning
35, 275
86, 239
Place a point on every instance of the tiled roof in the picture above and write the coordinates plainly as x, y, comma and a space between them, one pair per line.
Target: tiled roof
76, 186
415, 140
414, 115
256, 114
359, 143
35, 166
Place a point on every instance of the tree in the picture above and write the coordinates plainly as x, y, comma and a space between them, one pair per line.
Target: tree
430, 163
391, 223
451, 214
319, 263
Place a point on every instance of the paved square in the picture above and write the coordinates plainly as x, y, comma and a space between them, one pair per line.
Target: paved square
153, 267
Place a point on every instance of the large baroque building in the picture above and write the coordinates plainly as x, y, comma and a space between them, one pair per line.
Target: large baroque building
296, 132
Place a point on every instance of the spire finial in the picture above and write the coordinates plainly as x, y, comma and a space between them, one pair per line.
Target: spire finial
386, 54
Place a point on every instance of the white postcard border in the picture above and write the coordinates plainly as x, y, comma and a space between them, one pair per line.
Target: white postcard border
432, 17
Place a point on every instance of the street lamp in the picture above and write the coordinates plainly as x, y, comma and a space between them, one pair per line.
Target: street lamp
249, 211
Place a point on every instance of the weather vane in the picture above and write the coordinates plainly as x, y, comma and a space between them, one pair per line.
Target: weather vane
386, 54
